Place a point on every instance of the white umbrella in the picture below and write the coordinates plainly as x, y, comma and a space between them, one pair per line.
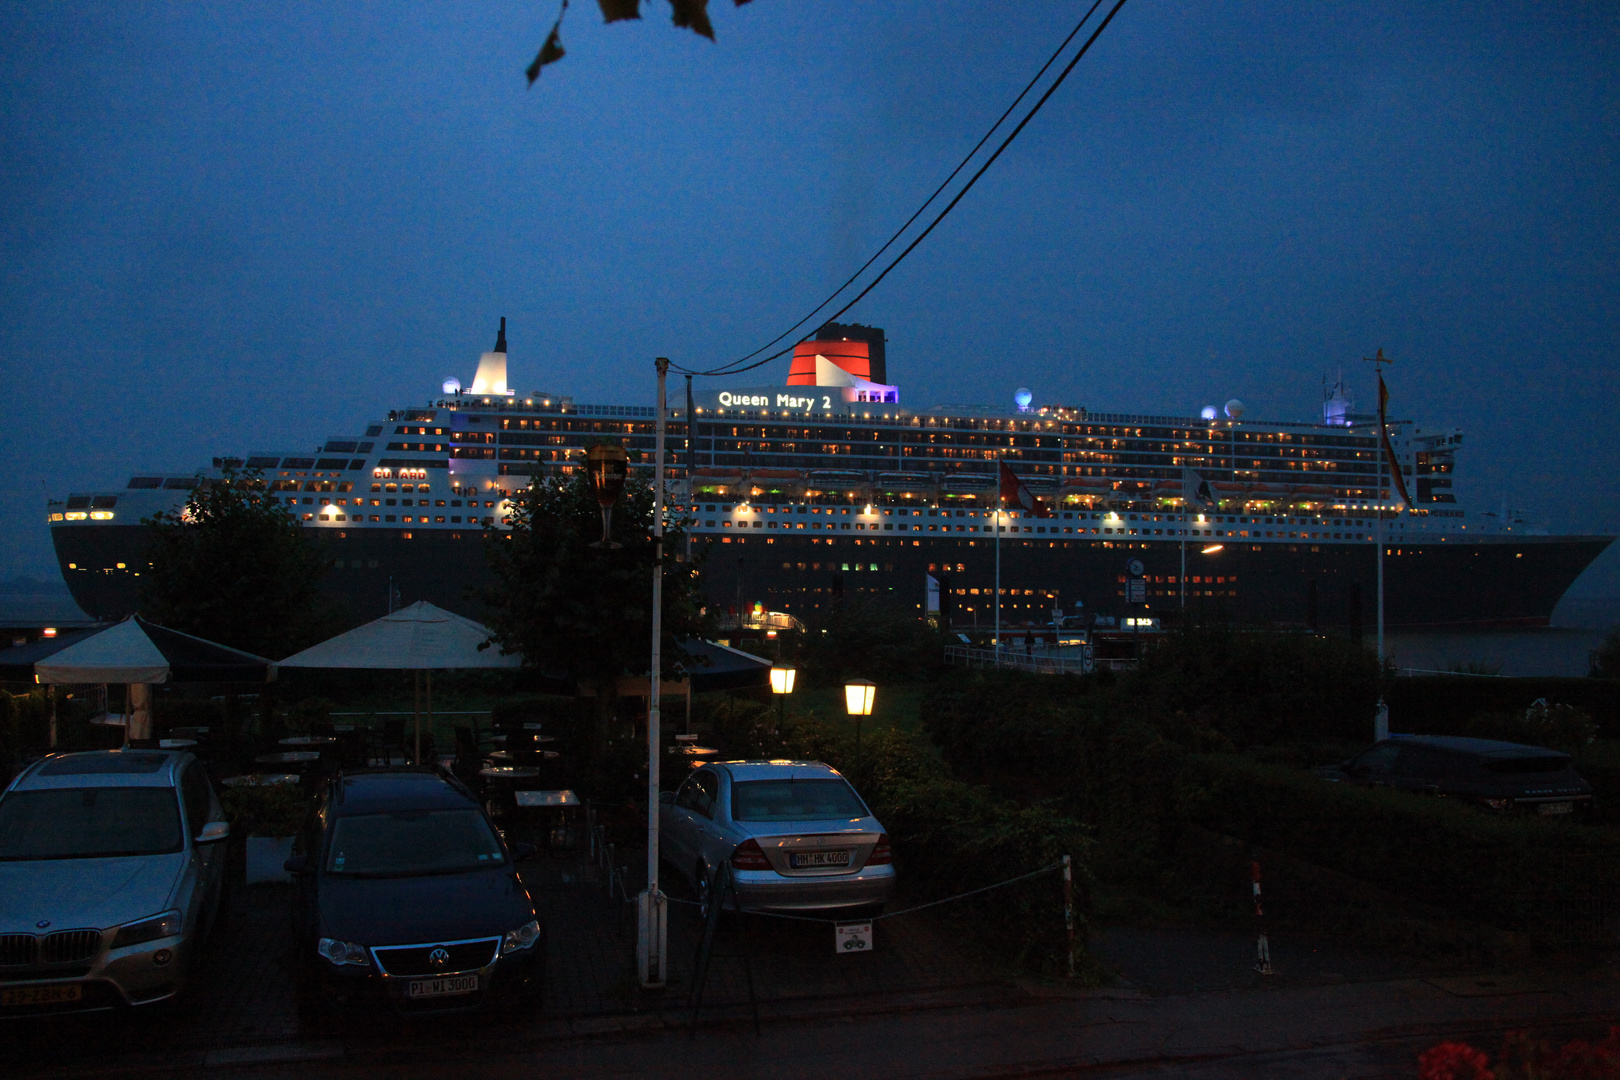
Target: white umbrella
416, 638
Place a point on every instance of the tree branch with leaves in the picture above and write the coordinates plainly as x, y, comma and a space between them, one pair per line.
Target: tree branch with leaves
690, 15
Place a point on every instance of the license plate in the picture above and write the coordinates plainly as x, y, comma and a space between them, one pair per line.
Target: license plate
42, 995
455, 984
810, 860
1556, 808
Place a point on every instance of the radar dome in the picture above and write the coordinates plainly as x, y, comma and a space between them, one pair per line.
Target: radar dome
452, 385
1234, 409
1023, 397
1208, 413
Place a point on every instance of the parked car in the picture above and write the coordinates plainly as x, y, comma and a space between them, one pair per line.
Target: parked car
111, 872
409, 897
1498, 775
794, 834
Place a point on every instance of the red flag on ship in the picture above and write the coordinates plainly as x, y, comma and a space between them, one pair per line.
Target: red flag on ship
1389, 451
1015, 495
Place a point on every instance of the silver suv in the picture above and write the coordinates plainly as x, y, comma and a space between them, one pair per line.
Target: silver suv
110, 876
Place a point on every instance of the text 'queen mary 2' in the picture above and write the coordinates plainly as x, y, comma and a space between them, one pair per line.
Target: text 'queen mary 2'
826, 486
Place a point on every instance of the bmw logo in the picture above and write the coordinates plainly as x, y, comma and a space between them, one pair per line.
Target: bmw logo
43, 923
439, 957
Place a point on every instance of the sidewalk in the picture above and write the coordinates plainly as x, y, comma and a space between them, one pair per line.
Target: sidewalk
1369, 1029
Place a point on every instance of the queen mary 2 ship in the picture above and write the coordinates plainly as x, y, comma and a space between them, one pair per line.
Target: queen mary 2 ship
827, 486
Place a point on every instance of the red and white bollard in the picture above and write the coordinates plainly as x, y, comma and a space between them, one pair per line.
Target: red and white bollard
1262, 960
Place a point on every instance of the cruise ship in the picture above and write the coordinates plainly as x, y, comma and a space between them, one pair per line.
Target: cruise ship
828, 486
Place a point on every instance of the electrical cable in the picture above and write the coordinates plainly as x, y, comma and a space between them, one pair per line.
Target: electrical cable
733, 368
898, 233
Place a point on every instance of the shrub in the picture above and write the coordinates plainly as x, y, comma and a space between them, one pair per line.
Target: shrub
264, 810
1502, 870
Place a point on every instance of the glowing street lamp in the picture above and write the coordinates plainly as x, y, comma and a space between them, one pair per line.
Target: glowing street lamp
858, 695
782, 685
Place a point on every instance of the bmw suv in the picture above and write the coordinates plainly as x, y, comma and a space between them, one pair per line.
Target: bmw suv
408, 896
111, 872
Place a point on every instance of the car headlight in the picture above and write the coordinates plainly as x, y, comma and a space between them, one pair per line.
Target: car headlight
150, 929
343, 952
523, 937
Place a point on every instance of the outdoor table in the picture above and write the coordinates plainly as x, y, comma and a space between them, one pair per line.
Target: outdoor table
547, 798
686, 738
506, 755
509, 772
694, 751
289, 757
308, 740
176, 744
343, 728
562, 806
111, 719
260, 779
532, 738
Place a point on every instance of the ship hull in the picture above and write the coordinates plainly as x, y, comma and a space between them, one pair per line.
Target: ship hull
1492, 582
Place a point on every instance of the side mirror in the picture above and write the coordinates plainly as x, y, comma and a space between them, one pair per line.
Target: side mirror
213, 832
667, 798
523, 851
298, 864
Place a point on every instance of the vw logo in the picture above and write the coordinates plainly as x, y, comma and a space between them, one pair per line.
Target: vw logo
439, 957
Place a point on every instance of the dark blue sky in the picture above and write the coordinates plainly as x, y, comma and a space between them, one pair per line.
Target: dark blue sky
237, 226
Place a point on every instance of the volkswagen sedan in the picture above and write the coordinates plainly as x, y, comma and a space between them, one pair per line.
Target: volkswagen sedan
794, 834
409, 897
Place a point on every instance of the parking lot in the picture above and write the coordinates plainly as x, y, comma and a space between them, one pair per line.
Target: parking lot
242, 993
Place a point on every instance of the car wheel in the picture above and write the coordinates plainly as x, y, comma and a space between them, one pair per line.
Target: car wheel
705, 890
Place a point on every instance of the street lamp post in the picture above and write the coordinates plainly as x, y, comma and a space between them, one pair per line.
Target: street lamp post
858, 695
782, 679
652, 939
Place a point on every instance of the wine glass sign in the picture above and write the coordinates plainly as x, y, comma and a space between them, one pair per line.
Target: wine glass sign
607, 465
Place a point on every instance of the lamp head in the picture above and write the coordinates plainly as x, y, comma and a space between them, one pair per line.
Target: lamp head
858, 695
782, 680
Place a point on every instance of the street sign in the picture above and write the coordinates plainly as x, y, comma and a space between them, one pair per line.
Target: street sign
852, 937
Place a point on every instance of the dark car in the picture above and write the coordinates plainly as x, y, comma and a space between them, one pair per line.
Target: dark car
409, 896
1498, 775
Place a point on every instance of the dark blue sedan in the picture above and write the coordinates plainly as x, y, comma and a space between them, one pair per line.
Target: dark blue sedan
407, 895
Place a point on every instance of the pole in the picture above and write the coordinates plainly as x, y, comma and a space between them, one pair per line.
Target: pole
691, 493
428, 678
1184, 561
416, 715
998, 583
1068, 907
652, 939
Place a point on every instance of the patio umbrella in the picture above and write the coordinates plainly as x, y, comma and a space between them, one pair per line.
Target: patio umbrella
418, 638
138, 653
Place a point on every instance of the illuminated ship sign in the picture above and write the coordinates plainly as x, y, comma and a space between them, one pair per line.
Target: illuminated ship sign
826, 376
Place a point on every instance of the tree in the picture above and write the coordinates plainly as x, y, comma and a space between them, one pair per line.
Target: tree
585, 611
233, 566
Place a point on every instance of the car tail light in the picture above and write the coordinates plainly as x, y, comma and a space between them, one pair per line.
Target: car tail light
749, 856
881, 852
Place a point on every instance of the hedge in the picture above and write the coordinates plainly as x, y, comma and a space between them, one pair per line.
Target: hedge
1505, 870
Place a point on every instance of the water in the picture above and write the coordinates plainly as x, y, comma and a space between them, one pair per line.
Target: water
1562, 649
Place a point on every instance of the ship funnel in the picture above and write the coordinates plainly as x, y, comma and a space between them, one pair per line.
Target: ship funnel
491, 376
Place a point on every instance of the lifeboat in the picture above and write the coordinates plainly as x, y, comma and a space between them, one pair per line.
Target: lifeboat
968, 482
836, 478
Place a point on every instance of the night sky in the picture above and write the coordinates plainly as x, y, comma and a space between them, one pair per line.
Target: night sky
230, 227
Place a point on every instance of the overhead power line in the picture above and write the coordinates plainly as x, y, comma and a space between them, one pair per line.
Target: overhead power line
741, 365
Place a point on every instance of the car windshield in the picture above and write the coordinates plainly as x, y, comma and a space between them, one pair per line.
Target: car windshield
794, 800
1521, 766
412, 842
89, 823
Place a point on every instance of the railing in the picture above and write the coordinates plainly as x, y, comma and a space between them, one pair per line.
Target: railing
1013, 659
